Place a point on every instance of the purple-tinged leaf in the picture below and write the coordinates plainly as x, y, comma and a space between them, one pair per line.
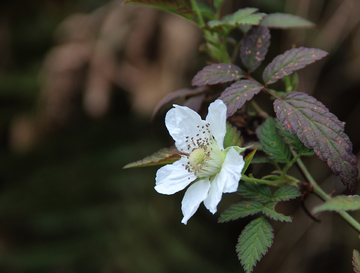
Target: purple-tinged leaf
217, 73
195, 102
254, 47
320, 130
356, 261
283, 20
164, 156
292, 60
238, 93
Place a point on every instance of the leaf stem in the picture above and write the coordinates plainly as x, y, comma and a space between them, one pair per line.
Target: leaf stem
289, 164
260, 111
324, 196
198, 13
257, 181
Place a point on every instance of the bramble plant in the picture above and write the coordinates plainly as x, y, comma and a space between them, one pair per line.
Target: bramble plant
207, 154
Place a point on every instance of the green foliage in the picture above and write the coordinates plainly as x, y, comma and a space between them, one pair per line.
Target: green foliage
240, 210
254, 242
164, 156
269, 211
340, 203
248, 159
272, 142
286, 193
283, 20
217, 73
356, 261
232, 137
292, 60
238, 93
257, 192
320, 130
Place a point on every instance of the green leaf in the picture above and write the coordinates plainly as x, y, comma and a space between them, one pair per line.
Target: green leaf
232, 137
293, 140
206, 11
257, 192
356, 261
216, 23
283, 20
261, 159
179, 7
272, 142
254, 242
248, 160
254, 47
244, 16
164, 156
286, 193
269, 211
340, 203
238, 93
320, 130
240, 210
292, 60
217, 73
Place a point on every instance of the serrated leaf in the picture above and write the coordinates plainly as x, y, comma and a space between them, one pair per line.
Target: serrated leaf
248, 160
244, 16
356, 261
292, 60
284, 20
254, 47
320, 130
286, 193
217, 73
216, 23
340, 203
254, 242
272, 142
240, 210
292, 140
269, 211
179, 7
164, 156
232, 136
238, 93
257, 192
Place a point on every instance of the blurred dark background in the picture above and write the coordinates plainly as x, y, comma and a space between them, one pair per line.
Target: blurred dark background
78, 83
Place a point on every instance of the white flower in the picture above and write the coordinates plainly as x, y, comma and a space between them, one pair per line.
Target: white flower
204, 161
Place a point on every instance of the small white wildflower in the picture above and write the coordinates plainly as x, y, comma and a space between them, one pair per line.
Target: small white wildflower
204, 161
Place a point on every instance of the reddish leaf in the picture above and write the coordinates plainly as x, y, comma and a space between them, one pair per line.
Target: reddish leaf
238, 93
320, 130
254, 47
217, 73
292, 60
164, 156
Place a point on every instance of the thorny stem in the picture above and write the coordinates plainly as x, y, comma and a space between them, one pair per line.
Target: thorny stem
324, 196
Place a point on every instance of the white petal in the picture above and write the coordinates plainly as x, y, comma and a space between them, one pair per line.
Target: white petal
173, 178
194, 195
227, 180
217, 119
182, 122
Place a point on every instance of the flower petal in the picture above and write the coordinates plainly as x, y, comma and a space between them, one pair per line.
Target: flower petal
194, 195
183, 124
173, 178
227, 180
217, 119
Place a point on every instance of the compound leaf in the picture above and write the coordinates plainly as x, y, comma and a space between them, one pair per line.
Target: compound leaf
283, 20
340, 203
232, 136
272, 142
217, 73
238, 93
269, 211
240, 210
320, 130
254, 242
293, 140
356, 261
292, 60
164, 156
254, 47
257, 192
286, 193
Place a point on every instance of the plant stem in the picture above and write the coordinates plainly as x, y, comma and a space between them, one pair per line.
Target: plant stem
289, 164
324, 196
198, 13
257, 181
